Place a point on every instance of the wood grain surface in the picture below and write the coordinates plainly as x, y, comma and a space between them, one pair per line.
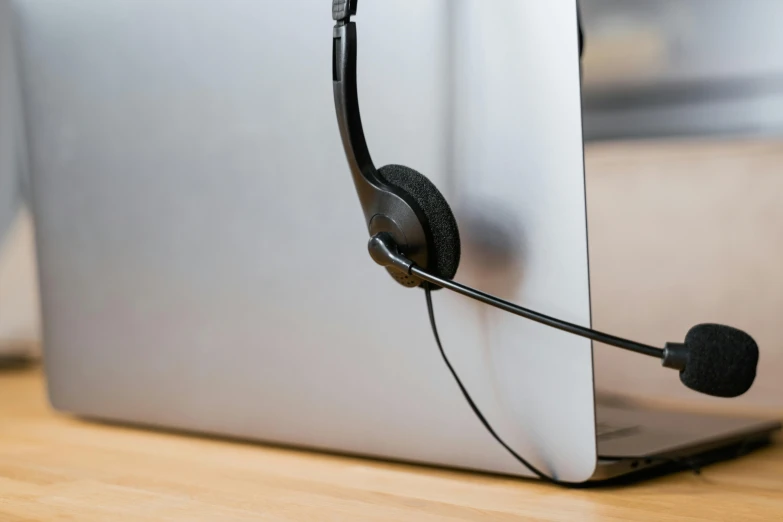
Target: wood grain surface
53, 467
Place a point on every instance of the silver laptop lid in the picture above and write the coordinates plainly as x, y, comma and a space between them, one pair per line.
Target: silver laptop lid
186, 164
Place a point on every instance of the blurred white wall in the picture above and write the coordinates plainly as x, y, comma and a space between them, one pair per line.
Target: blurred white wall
19, 321
682, 67
632, 43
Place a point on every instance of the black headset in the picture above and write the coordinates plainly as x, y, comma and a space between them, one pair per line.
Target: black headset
396, 200
413, 233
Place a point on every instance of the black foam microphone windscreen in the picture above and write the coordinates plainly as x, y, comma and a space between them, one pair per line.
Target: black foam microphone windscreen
721, 360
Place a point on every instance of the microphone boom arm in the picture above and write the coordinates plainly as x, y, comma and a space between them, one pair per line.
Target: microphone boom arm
537, 316
384, 251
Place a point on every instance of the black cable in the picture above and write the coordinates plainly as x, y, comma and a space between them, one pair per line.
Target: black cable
536, 471
540, 474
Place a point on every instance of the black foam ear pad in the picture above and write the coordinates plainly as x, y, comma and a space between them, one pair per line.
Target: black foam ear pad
442, 225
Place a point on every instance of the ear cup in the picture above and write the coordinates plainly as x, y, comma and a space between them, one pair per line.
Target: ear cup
440, 220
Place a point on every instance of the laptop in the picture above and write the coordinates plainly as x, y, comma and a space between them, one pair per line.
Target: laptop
202, 259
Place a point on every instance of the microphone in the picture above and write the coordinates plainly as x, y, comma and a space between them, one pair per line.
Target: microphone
714, 359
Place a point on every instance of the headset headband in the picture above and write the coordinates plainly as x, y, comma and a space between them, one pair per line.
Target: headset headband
346, 102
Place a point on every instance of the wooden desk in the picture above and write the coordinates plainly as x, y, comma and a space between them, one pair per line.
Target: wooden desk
54, 467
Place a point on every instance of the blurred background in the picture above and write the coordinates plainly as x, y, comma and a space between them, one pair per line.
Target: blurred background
668, 68
683, 112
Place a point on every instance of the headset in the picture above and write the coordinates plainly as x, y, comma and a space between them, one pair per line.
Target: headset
414, 235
